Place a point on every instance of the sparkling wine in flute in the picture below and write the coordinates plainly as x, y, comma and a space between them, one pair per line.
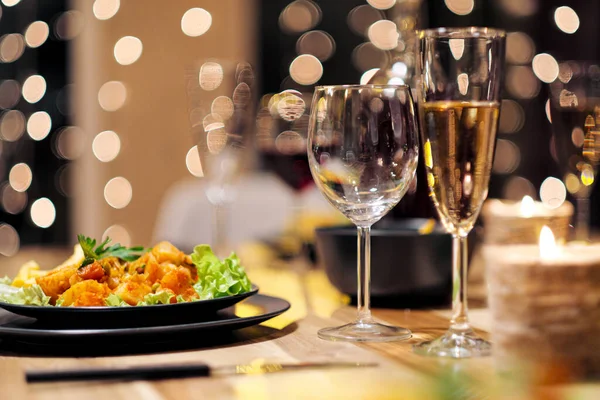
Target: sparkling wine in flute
458, 157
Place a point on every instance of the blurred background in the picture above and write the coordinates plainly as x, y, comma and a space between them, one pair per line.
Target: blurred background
117, 116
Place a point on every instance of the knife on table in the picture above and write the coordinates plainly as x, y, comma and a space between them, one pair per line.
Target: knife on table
176, 371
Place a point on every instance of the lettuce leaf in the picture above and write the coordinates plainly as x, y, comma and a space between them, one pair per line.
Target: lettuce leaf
114, 300
5, 281
218, 278
31, 296
156, 298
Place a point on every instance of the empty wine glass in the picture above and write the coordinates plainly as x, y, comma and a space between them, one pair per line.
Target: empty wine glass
221, 98
362, 153
459, 101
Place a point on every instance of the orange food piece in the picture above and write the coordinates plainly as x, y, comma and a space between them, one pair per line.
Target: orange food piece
133, 290
93, 271
87, 293
57, 281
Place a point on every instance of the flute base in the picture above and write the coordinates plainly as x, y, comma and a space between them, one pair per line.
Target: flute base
455, 344
365, 331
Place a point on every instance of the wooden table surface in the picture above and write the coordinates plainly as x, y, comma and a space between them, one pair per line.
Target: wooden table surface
292, 338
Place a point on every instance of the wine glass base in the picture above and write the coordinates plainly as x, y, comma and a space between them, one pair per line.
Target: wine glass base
455, 344
361, 331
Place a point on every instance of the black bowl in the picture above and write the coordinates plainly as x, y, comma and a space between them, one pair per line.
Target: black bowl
408, 269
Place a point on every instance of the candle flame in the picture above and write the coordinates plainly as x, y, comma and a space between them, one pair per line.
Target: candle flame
527, 206
547, 244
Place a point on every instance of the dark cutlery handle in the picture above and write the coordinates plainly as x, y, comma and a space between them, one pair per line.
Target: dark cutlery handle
121, 374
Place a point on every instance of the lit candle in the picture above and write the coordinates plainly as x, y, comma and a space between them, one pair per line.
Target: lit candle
544, 302
514, 222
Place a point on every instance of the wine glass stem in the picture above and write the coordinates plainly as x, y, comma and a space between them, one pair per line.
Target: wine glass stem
364, 274
583, 218
460, 319
220, 222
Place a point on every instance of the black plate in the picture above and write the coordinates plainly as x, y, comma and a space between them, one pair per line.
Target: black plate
164, 314
27, 330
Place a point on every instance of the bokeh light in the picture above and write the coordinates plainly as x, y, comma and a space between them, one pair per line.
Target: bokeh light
463, 83
70, 142
367, 75
222, 106
9, 240
290, 142
460, 7
34, 88
106, 9
519, 8
63, 99
366, 56
10, 3
565, 72
128, 50
69, 25
362, 17
382, 4
39, 125
457, 48
106, 146
290, 106
196, 22
299, 16
212, 122
13, 202
117, 234
522, 83
572, 183
517, 187
64, 179
43, 212
566, 19
193, 163
306, 69
10, 92
37, 34
241, 96
577, 137
512, 117
520, 48
12, 47
216, 140
548, 112
211, 75
20, 177
12, 125
112, 95
384, 34
118, 192
318, 43
553, 192
545, 67
507, 157
244, 74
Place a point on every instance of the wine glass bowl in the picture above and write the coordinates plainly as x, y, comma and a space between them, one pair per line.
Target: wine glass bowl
363, 153
459, 100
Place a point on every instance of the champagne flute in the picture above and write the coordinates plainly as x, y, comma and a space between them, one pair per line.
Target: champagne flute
362, 153
459, 98
575, 111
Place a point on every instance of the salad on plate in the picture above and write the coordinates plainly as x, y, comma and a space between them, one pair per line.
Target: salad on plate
113, 275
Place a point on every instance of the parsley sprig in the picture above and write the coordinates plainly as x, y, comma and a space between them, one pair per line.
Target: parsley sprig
103, 250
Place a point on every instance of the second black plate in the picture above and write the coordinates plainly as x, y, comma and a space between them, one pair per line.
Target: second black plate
27, 330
